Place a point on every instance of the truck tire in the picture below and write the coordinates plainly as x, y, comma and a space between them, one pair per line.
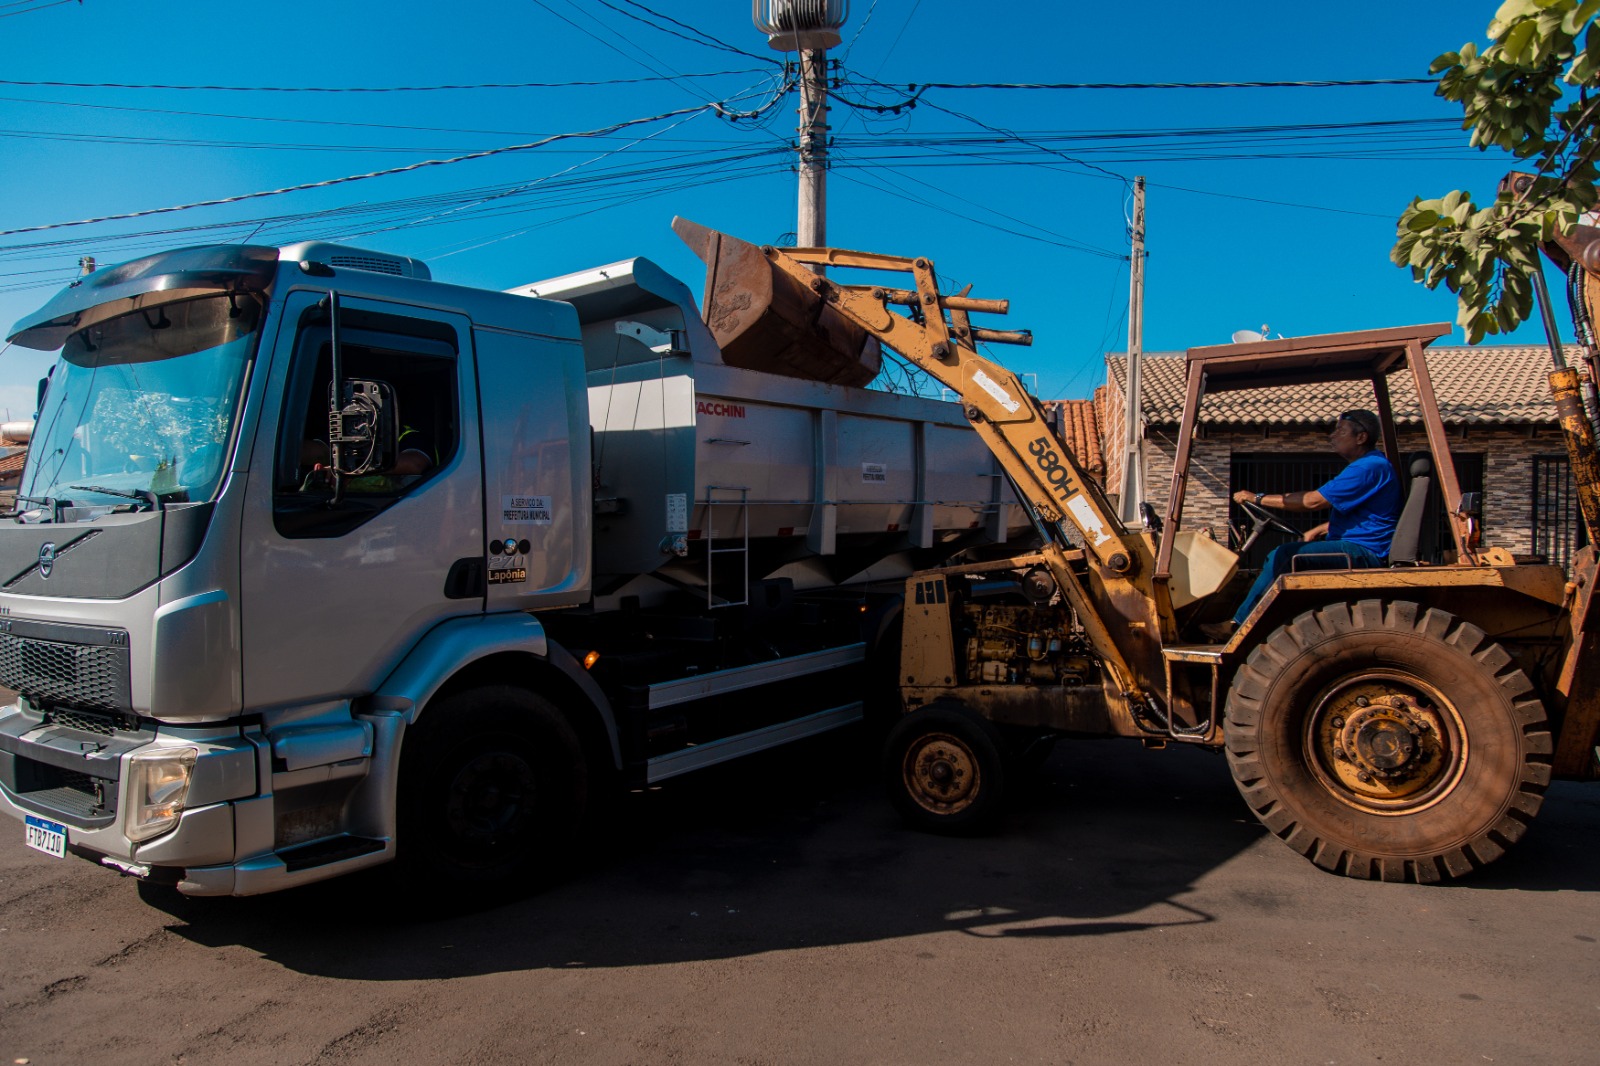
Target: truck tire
1388, 742
493, 788
945, 769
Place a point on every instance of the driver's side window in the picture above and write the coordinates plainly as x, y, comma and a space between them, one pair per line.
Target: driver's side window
410, 364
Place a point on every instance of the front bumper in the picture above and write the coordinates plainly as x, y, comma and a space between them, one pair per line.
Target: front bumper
230, 837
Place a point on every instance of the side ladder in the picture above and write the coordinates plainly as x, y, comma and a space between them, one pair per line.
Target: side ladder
741, 517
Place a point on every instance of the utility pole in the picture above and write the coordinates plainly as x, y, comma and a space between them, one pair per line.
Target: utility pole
812, 228
809, 27
1132, 493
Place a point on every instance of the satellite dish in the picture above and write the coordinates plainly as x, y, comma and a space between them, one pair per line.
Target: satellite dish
1248, 336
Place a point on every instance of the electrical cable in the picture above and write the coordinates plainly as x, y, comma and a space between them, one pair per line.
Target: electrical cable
1062, 86
1062, 241
902, 194
41, 7
266, 118
367, 88
360, 177
705, 39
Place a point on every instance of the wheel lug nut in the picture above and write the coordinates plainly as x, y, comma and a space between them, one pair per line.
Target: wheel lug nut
1364, 777
1338, 723
1362, 701
1338, 753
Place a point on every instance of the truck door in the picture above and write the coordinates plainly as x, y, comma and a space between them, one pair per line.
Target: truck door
335, 590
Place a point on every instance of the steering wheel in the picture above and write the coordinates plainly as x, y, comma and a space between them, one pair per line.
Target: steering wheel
1261, 520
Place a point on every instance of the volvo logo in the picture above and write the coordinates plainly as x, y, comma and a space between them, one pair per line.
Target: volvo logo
47, 558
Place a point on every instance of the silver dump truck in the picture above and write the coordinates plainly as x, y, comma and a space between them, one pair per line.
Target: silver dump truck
318, 562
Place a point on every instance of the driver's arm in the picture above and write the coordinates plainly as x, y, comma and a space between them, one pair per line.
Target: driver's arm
1286, 501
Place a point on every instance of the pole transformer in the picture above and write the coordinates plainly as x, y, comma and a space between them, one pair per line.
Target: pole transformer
809, 27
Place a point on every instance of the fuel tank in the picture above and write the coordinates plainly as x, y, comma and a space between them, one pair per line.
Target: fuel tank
711, 477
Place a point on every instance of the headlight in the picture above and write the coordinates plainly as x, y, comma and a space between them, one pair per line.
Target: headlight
158, 784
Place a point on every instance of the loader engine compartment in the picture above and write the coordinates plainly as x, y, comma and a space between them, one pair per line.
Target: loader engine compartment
1014, 645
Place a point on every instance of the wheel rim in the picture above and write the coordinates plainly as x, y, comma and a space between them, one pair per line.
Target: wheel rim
491, 802
1386, 743
941, 773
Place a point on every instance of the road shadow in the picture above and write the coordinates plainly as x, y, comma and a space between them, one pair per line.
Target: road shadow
798, 848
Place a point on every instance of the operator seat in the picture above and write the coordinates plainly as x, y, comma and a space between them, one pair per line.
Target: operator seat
1408, 529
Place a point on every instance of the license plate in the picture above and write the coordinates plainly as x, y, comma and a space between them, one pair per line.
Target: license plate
48, 837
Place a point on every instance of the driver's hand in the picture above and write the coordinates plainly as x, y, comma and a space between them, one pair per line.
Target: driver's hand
1244, 496
1311, 535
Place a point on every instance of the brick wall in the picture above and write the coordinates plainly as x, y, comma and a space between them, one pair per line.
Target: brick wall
1508, 453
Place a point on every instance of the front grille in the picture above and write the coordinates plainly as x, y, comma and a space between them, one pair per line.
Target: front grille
55, 673
86, 721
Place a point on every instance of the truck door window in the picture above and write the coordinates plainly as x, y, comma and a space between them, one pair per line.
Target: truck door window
416, 358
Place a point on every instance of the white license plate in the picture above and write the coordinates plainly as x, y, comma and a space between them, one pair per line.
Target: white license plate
48, 837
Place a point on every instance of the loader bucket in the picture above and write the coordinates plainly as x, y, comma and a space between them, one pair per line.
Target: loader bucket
764, 320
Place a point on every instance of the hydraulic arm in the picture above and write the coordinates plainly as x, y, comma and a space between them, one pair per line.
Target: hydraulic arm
1125, 612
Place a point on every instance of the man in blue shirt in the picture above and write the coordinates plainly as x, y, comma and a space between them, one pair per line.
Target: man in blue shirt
1365, 500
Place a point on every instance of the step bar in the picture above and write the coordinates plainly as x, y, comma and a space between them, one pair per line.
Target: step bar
699, 756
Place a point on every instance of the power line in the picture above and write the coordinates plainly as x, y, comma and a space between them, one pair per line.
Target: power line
41, 7
705, 40
278, 118
361, 177
1060, 240
1065, 86
904, 195
370, 88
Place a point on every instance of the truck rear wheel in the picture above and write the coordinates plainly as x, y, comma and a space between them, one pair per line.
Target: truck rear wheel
1388, 742
945, 770
493, 786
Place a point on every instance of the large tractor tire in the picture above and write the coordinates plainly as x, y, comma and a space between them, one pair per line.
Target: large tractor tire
493, 788
945, 769
1388, 742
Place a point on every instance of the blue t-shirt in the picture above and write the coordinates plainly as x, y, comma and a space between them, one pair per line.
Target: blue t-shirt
1365, 497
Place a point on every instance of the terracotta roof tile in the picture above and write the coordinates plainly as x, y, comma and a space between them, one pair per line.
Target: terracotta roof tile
1080, 431
13, 453
1482, 385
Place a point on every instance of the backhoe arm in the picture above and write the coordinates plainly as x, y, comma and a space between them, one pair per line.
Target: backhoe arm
1009, 420
1125, 613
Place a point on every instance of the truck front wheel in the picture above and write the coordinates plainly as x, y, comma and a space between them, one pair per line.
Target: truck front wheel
493, 786
1388, 742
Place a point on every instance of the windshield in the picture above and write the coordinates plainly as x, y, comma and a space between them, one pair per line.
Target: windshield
142, 407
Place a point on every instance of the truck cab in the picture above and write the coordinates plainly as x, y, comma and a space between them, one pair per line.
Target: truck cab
201, 573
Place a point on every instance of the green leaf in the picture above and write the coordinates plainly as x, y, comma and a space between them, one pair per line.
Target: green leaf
1517, 43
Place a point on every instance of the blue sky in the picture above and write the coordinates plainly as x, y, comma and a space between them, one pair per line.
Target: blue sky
1245, 226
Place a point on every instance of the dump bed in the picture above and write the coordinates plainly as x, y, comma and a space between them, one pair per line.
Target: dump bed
708, 474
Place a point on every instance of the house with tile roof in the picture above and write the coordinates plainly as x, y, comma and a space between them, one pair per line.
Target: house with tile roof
1493, 399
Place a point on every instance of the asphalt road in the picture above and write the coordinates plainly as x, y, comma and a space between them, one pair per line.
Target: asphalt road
776, 912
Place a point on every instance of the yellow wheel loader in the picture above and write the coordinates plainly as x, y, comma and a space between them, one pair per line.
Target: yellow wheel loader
1400, 723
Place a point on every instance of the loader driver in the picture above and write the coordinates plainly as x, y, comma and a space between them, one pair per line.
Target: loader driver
1365, 500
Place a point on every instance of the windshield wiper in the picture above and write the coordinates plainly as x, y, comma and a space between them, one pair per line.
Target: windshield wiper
48, 501
144, 496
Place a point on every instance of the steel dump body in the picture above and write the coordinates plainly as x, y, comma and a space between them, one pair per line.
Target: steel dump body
817, 483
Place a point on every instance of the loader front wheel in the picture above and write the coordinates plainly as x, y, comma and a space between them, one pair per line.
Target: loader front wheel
1388, 742
945, 770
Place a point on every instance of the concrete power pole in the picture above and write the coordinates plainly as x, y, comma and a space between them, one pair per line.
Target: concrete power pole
812, 230
1132, 492
809, 27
